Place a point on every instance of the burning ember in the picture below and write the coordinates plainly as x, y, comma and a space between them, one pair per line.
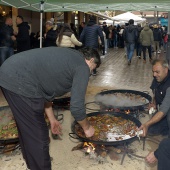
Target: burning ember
127, 111
89, 147
96, 152
99, 153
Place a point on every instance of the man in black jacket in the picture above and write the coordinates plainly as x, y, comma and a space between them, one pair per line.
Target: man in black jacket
7, 39
90, 36
31, 80
23, 38
160, 122
130, 35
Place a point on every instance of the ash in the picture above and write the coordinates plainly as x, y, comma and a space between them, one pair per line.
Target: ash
97, 158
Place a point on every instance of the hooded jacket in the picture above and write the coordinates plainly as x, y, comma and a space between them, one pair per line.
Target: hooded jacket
130, 34
146, 36
23, 38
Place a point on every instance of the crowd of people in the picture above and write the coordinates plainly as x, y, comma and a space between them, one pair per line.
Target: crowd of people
30, 89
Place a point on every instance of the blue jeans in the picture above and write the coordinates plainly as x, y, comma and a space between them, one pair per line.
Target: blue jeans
5, 52
130, 50
138, 49
115, 41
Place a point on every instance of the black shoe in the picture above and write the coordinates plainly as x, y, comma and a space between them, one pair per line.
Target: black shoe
94, 73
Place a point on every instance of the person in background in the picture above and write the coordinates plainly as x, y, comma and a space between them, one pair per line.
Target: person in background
146, 39
160, 122
7, 39
157, 36
51, 34
165, 39
66, 38
121, 37
82, 25
31, 80
130, 35
22, 38
73, 28
100, 44
106, 31
89, 36
162, 155
138, 43
115, 37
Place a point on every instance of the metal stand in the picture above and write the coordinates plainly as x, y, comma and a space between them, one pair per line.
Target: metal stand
4, 148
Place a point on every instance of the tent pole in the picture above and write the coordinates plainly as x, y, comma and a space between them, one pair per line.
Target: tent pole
41, 21
41, 16
168, 43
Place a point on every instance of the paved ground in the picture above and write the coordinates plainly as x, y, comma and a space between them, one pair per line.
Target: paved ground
115, 72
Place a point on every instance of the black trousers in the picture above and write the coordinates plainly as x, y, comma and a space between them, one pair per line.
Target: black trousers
32, 129
149, 51
163, 154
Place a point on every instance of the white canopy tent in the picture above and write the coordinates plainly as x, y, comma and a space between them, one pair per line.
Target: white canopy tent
125, 17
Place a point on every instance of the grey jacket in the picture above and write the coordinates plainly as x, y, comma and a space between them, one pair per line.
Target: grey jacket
47, 73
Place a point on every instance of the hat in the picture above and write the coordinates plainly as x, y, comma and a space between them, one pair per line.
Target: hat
50, 22
155, 26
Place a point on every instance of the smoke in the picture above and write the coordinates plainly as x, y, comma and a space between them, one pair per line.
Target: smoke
121, 100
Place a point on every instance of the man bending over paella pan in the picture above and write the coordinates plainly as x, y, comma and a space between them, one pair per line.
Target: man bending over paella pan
31, 80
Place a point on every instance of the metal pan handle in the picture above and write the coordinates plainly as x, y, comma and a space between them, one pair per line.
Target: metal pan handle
73, 135
104, 90
145, 92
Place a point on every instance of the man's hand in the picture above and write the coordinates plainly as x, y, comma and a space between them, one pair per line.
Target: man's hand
90, 132
150, 158
56, 127
88, 129
13, 37
55, 124
144, 127
152, 105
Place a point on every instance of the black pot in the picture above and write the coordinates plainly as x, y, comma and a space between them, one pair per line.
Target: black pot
6, 111
117, 114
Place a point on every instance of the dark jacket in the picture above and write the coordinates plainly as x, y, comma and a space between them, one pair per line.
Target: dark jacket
139, 29
130, 34
50, 39
23, 38
157, 34
48, 73
6, 32
159, 89
90, 34
106, 31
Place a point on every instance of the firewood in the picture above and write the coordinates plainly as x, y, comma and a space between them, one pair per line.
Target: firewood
113, 156
78, 147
